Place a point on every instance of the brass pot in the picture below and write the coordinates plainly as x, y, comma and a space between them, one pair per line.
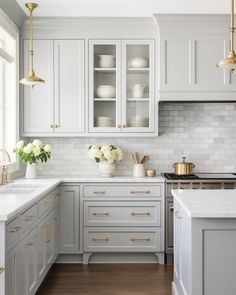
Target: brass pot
183, 168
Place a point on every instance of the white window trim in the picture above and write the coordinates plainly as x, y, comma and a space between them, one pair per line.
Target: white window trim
12, 29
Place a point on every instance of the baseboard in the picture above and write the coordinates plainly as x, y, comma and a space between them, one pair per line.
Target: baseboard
109, 258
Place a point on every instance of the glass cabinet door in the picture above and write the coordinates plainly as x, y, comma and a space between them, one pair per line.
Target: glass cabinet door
138, 86
104, 86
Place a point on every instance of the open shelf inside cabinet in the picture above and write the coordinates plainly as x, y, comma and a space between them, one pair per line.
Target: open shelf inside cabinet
104, 56
104, 114
137, 113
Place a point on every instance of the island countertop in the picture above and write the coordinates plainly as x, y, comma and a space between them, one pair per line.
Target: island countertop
207, 203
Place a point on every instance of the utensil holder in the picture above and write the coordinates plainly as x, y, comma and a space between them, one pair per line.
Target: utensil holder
139, 170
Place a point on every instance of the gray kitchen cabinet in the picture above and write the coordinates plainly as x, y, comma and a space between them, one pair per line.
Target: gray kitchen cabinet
189, 49
69, 219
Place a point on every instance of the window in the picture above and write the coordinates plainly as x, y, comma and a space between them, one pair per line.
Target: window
9, 126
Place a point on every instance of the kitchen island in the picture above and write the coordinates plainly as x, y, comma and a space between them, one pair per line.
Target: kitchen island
204, 242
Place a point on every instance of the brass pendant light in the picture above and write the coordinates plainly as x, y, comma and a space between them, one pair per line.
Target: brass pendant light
230, 61
31, 79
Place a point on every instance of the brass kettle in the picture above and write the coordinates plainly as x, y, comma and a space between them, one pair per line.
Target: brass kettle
183, 168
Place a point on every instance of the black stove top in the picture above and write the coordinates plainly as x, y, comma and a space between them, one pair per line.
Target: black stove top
173, 176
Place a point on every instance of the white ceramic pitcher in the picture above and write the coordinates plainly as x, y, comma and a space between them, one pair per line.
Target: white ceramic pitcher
138, 90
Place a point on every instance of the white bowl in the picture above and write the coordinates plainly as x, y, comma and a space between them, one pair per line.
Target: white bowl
106, 91
138, 62
106, 61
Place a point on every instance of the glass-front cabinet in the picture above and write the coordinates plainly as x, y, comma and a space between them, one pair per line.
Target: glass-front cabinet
121, 86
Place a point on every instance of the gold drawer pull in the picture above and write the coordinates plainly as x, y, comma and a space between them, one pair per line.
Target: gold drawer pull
140, 192
2, 269
46, 203
29, 218
140, 213
15, 229
101, 239
101, 213
56, 195
139, 239
99, 192
30, 244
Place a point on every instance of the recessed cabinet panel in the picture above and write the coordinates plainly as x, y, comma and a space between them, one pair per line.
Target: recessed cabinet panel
69, 86
177, 62
38, 101
208, 53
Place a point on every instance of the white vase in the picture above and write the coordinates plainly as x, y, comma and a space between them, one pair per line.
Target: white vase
107, 169
31, 171
139, 170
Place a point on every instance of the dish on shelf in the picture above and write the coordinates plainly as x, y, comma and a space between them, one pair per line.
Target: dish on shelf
102, 121
138, 62
138, 90
106, 91
106, 61
138, 121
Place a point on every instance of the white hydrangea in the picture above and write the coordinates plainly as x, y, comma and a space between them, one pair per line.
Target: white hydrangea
20, 145
36, 151
48, 148
108, 152
30, 147
26, 150
37, 143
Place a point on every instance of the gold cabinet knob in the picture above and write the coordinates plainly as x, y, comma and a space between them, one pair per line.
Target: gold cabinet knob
56, 126
30, 244
2, 269
119, 126
51, 126
123, 126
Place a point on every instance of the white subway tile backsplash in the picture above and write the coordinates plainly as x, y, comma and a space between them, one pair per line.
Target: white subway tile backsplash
204, 132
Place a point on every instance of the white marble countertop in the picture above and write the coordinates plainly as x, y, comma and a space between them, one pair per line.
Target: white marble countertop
207, 203
17, 199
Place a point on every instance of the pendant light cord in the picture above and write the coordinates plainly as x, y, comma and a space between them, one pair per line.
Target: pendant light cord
31, 71
232, 28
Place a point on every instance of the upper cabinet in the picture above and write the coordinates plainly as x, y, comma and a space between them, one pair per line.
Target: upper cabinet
56, 107
189, 49
121, 86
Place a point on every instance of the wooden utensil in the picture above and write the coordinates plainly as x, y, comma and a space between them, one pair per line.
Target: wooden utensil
144, 159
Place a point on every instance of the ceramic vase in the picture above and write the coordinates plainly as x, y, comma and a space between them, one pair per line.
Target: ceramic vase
31, 171
107, 169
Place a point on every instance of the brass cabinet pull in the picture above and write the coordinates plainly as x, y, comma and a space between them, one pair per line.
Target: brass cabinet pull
56, 125
15, 229
177, 214
100, 239
139, 239
30, 244
2, 269
46, 203
140, 213
140, 192
29, 218
99, 192
119, 126
101, 213
56, 195
123, 126
52, 126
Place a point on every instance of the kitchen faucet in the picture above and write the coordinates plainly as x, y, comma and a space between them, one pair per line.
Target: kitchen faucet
6, 160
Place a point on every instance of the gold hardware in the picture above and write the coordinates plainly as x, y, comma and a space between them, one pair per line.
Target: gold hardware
46, 203
56, 126
99, 192
177, 214
230, 61
140, 192
15, 229
29, 218
119, 126
100, 239
2, 269
56, 194
6, 160
31, 79
101, 213
140, 213
123, 126
52, 126
30, 244
139, 239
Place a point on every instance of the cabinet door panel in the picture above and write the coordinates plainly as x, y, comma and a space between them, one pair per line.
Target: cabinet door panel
69, 219
55, 235
38, 101
41, 250
11, 273
31, 248
69, 86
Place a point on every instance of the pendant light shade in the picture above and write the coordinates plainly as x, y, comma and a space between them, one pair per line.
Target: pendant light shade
31, 79
230, 61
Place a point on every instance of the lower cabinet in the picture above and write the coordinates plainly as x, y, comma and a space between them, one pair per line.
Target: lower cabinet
69, 219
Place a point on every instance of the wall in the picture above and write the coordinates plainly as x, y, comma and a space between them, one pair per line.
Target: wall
204, 132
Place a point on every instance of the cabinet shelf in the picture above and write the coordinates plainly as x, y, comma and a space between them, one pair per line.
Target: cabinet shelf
138, 99
105, 70
104, 99
138, 70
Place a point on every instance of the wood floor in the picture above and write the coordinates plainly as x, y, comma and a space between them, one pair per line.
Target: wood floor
107, 279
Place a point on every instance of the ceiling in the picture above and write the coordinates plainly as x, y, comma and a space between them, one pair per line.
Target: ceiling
133, 8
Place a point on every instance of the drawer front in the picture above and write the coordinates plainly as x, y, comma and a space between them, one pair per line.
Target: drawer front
29, 217
122, 191
122, 213
122, 240
48, 202
14, 229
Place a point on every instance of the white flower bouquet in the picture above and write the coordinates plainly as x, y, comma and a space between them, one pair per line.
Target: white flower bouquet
33, 152
106, 152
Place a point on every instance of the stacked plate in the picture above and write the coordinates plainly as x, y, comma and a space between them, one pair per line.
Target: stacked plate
103, 121
138, 121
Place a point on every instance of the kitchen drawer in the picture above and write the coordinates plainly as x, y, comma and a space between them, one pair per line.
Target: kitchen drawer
29, 217
122, 213
122, 240
14, 229
48, 202
122, 191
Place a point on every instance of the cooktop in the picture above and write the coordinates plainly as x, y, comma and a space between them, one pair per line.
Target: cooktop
196, 176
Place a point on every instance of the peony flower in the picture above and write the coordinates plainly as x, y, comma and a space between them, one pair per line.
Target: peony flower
20, 145
36, 151
26, 150
48, 148
38, 143
30, 147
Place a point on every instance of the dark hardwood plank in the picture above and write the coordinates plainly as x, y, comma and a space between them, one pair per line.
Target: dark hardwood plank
107, 279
